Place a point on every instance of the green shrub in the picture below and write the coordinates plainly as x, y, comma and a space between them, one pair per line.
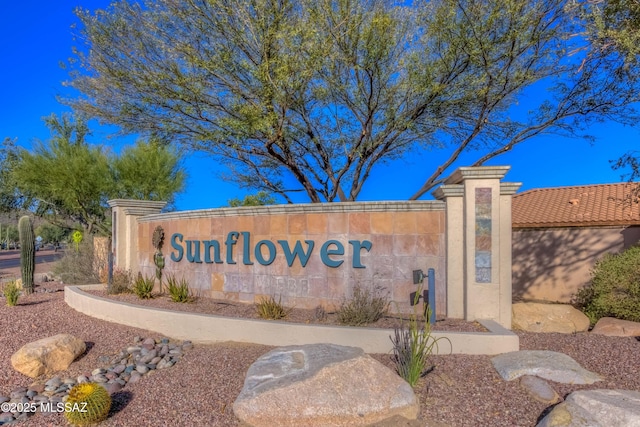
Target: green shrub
121, 282
366, 306
179, 290
614, 290
269, 308
143, 287
11, 293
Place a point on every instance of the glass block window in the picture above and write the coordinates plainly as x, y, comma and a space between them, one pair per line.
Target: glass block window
483, 235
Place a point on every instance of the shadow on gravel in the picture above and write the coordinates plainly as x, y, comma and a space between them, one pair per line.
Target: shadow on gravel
119, 401
546, 411
88, 346
32, 303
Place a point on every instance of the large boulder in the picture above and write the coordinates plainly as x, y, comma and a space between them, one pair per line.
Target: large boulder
596, 408
322, 384
537, 317
616, 328
549, 365
47, 355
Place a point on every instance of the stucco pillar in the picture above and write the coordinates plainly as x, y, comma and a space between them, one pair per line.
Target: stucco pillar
454, 246
479, 243
124, 229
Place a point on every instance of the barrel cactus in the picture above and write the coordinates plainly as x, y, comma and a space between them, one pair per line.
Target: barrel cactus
88, 403
27, 253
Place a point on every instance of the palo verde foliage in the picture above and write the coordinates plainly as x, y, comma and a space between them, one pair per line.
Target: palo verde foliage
311, 95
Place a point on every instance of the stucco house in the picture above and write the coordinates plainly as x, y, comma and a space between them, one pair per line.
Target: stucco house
559, 233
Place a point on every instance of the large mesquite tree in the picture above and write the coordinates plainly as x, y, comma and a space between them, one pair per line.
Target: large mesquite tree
311, 95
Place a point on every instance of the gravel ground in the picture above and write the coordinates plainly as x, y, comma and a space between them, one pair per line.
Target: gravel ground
200, 389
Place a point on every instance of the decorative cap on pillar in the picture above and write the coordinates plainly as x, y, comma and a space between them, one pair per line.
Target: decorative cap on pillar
448, 190
477, 172
137, 207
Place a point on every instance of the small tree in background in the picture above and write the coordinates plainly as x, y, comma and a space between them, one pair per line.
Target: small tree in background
261, 198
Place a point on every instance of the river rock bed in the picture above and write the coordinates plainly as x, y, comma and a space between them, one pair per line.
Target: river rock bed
141, 358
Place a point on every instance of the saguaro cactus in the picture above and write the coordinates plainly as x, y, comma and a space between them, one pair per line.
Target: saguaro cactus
27, 253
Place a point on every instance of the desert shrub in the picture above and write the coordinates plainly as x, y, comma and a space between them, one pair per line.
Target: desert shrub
269, 308
76, 267
179, 290
121, 282
413, 344
366, 306
11, 293
614, 290
143, 287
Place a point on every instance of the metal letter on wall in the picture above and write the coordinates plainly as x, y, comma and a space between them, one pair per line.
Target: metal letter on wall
483, 235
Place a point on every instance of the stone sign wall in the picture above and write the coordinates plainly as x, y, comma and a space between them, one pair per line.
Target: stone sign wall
308, 255
316, 254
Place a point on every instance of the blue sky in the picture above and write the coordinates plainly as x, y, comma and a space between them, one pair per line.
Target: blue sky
36, 36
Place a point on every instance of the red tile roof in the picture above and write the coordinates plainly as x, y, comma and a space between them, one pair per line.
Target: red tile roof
588, 205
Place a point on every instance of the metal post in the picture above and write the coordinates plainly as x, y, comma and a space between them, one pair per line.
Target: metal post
431, 281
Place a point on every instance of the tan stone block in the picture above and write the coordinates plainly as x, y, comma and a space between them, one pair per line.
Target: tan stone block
359, 223
338, 223
261, 224
215, 226
430, 222
404, 223
246, 223
317, 224
217, 282
278, 225
404, 245
381, 222
297, 224
429, 244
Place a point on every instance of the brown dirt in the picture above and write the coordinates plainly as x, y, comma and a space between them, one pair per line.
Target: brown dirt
461, 390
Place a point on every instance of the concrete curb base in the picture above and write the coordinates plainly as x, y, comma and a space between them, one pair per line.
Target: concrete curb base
206, 328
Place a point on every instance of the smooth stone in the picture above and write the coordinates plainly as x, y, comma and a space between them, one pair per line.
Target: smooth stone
82, 379
135, 377
612, 327
4, 399
6, 417
38, 388
149, 341
545, 364
98, 371
99, 378
55, 382
133, 349
322, 384
118, 369
113, 387
155, 360
164, 350
129, 369
539, 389
69, 381
47, 355
538, 317
595, 408
164, 341
143, 369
